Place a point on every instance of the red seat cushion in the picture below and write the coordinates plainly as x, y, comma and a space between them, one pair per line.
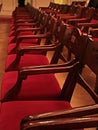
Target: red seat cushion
27, 60
13, 33
12, 46
63, 15
13, 112
12, 40
36, 87
95, 39
26, 33
94, 21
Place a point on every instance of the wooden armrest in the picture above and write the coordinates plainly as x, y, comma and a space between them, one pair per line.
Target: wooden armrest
94, 29
62, 124
67, 119
68, 17
33, 36
23, 17
26, 23
77, 20
36, 49
68, 63
29, 29
74, 112
61, 15
24, 20
88, 24
38, 37
24, 72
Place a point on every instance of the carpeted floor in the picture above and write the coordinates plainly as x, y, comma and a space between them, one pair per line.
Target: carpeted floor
4, 31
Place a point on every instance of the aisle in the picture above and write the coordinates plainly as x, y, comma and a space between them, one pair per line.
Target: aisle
4, 31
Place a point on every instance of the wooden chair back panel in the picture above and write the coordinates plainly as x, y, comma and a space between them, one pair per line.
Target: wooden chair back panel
91, 57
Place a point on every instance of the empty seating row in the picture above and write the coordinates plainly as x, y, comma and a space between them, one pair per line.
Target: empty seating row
31, 97
90, 14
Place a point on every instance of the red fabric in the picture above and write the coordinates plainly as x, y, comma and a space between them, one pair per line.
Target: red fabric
27, 60
26, 32
12, 26
13, 112
36, 87
63, 15
94, 21
95, 39
11, 39
12, 46
32, 41
12, 33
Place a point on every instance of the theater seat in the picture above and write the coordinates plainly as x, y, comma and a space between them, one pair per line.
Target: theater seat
39, 36
37, 55
13, 112
25, 113
15, 83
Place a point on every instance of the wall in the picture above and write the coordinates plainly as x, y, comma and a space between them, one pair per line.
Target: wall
8, 6
58, 1
67, 1
26, 1
39, 3
63, 1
